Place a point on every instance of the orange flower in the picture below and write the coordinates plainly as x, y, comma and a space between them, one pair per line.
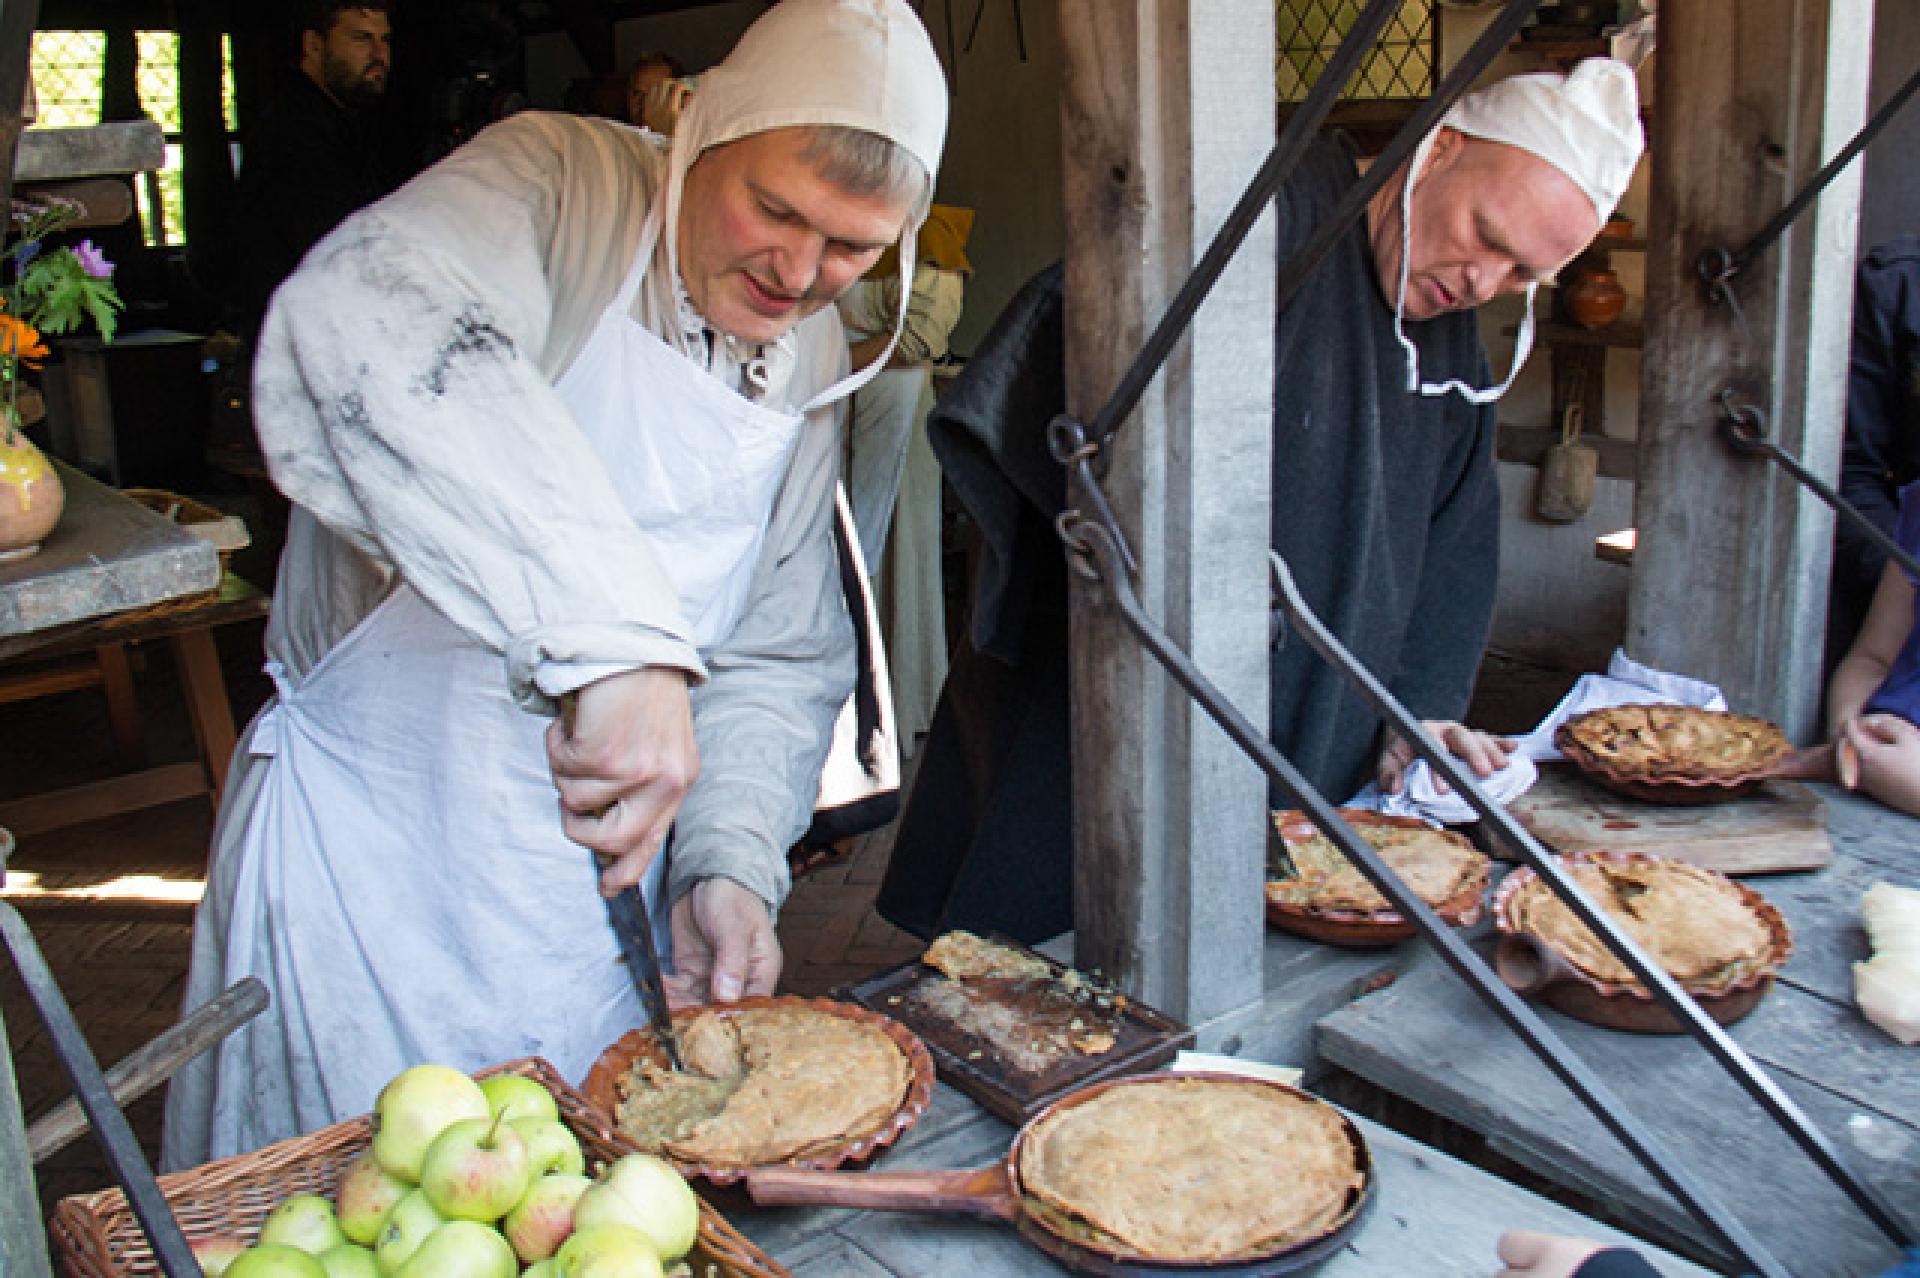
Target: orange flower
21, 341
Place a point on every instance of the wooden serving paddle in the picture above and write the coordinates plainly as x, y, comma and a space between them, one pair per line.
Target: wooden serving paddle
985, 1193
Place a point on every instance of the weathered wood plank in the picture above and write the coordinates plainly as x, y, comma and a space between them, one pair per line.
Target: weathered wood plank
1167, 111
108, 554
1730, 573
1427, 1039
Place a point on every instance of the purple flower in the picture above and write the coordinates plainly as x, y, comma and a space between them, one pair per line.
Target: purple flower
92, 260
26, 252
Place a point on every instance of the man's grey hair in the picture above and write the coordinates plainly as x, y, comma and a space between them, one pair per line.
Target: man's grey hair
864, 163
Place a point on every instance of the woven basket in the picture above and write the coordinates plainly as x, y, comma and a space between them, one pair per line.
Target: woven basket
97, 1235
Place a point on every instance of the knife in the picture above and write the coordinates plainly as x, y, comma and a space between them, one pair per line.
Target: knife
627, 912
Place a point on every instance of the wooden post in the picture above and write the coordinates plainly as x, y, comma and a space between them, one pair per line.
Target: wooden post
1730, 572
1168, 110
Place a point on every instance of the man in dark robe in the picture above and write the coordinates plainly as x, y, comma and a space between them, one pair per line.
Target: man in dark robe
1385, 500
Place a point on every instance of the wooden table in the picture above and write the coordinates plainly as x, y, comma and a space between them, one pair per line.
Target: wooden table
109, 554
1428, 1039
1434, 1215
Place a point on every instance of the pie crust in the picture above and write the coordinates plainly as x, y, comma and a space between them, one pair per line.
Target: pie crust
1191, 1168
1442, 868
1034, 1014
1658, 743
1710, 933
773, 1083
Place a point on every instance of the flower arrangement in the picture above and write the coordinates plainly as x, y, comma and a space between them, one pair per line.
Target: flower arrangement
47, 292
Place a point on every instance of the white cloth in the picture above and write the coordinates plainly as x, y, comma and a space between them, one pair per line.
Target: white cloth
1420, 794
1626, 683
1584, 122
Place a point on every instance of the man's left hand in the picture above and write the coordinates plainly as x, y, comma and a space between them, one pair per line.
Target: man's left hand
1484, 753
724, 947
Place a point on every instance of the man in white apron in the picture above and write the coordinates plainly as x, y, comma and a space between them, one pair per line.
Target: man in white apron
560, 422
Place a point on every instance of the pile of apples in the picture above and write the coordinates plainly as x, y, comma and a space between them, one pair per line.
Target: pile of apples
472, 1179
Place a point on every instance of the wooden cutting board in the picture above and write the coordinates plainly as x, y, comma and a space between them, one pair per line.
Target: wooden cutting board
1781, 827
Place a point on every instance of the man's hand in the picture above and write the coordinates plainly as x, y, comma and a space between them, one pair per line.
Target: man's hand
724, 947
1529, 1255
1483, 753
623, 757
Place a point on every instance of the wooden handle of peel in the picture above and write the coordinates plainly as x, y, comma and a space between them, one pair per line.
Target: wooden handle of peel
986, 1193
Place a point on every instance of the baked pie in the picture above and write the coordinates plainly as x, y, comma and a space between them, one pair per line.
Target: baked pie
1706, 930
1656, 743
1309, 875
764, 1084
1190, 1169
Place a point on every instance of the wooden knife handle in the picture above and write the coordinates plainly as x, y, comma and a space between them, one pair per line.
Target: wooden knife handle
985, 1193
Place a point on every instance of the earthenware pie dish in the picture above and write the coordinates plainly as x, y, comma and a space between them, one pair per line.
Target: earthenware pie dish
769, 1081
1314, 892
1720, 939
1684, 754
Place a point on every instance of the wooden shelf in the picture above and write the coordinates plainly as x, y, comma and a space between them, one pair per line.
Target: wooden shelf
1527, 446
1620, 335
47, 155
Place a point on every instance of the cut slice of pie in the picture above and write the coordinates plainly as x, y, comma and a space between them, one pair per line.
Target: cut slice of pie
1186, 1169
1312, 874
765, 1085
1702, 927
1670, 742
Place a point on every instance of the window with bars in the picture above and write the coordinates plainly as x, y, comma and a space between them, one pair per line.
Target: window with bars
1399, 70
69, 85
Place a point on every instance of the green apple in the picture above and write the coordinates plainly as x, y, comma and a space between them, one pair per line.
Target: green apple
215, 1254
647, 1194
541, 1221
551, 1145
408, 1224
517, 1096
540, 1269
608, 1251
366, 1193
305, 1221
349, 1260
462, 1249
477, 1169
274, 1261
417, 1105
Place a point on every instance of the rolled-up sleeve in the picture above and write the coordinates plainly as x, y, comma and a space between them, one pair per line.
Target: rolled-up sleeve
401, 397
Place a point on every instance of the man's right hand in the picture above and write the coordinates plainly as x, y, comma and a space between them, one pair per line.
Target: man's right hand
623, 757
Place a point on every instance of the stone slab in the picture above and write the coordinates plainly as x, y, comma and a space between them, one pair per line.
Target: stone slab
131, 146
108, 554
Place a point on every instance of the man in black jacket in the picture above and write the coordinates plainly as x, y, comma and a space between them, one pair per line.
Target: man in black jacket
317, 153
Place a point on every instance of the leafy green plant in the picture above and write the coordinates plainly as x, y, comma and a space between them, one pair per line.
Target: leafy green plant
56, 291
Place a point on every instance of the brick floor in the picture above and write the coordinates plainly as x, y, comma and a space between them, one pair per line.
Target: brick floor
122, 967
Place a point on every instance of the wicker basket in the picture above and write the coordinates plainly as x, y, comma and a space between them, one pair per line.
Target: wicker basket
97, 1235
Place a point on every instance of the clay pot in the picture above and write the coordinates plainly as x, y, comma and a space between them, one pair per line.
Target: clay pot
31, 496
1595, 298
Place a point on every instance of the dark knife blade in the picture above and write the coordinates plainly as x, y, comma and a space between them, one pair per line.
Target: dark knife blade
628, 914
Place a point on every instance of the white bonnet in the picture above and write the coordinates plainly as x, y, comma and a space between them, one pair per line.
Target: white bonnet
1585, 123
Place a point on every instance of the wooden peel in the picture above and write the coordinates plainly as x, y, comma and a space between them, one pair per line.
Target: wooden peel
985, 1193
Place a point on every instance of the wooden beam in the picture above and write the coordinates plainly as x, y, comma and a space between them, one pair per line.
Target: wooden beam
1167, 112
1730, 574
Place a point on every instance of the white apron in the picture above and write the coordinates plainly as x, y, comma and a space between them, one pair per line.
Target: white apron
405, 889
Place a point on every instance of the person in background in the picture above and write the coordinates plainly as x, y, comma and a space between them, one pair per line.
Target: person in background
1873, 699
1880, 450
561, 419
316, 154
657, 89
